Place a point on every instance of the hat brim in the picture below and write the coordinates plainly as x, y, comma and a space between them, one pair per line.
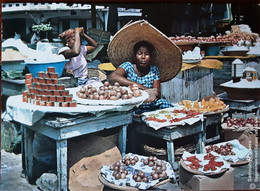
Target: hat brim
167, 57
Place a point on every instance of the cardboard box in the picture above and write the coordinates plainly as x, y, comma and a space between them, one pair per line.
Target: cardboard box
190, 181
242, 136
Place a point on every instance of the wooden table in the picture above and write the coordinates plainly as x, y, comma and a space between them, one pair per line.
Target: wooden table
170, 135
61, 131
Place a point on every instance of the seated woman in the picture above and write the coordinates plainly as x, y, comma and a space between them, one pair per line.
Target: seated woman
75, 51
145, 75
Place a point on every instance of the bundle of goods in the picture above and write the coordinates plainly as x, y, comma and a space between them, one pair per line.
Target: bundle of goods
108, 92
45, 90
213, 105
138, 171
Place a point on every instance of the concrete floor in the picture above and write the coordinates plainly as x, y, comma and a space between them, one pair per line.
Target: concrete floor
12, 177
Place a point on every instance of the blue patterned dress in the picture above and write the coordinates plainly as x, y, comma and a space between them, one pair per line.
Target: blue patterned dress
146, 81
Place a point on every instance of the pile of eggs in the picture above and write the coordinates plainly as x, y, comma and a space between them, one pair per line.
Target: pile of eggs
108, 92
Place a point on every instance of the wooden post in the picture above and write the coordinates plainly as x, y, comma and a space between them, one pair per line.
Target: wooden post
93, 16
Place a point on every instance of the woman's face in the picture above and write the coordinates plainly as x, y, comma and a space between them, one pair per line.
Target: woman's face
143, 56
71, 41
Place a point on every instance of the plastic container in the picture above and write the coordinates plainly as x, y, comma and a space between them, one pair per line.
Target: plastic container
212, 51
36, 67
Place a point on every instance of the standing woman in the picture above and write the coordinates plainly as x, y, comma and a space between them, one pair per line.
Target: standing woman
141, 59
75, 51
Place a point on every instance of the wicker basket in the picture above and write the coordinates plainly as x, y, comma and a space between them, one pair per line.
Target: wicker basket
94, 72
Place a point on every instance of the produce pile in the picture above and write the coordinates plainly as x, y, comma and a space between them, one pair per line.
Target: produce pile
204, 163
231, 151
213, 105
41, 27
108, 92
137, 171
229, 39
225, 149
241, 122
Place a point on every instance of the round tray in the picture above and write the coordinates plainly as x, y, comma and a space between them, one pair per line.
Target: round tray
216, 112
234, 52
191, 61
116, 187
239, 163
120, 102
242, 93
198, 172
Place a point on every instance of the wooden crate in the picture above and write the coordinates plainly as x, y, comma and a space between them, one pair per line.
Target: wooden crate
192, 84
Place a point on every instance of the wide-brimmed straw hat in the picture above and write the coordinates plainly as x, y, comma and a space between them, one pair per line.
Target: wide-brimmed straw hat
167, 57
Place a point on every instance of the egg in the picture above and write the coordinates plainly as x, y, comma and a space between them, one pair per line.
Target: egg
106, 83
82, 90
116, 84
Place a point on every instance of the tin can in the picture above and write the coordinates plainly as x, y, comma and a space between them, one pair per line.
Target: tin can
68, 98
42, 103
56, 93
73, 104
28, 81
64, 104
65, 93
38, 97
51, 69
49, 103
52, 87
54, 75
55, 81
25, 99
60, 99
45, 98
60, 87
41, 80
28, 76
47, 75
40, 74
48, 81
52, 98
25, 93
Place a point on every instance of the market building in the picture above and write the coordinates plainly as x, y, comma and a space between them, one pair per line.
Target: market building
96, 132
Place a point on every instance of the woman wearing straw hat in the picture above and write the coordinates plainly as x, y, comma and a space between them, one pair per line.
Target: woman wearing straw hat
145, 57
75, 51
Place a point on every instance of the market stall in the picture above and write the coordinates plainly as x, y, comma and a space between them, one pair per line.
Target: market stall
75, 117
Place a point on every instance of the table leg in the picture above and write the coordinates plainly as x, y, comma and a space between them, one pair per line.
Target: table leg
28, 153
170, 153
201, 138
122, 140
62, 172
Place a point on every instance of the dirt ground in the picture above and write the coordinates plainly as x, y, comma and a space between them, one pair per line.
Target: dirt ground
12, 178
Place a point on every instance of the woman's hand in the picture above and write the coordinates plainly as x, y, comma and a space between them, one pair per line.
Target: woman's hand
153, 93
80, 30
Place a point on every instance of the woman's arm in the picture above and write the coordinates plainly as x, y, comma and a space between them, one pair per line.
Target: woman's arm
118, 76
92, 45
75, 50
157, 84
